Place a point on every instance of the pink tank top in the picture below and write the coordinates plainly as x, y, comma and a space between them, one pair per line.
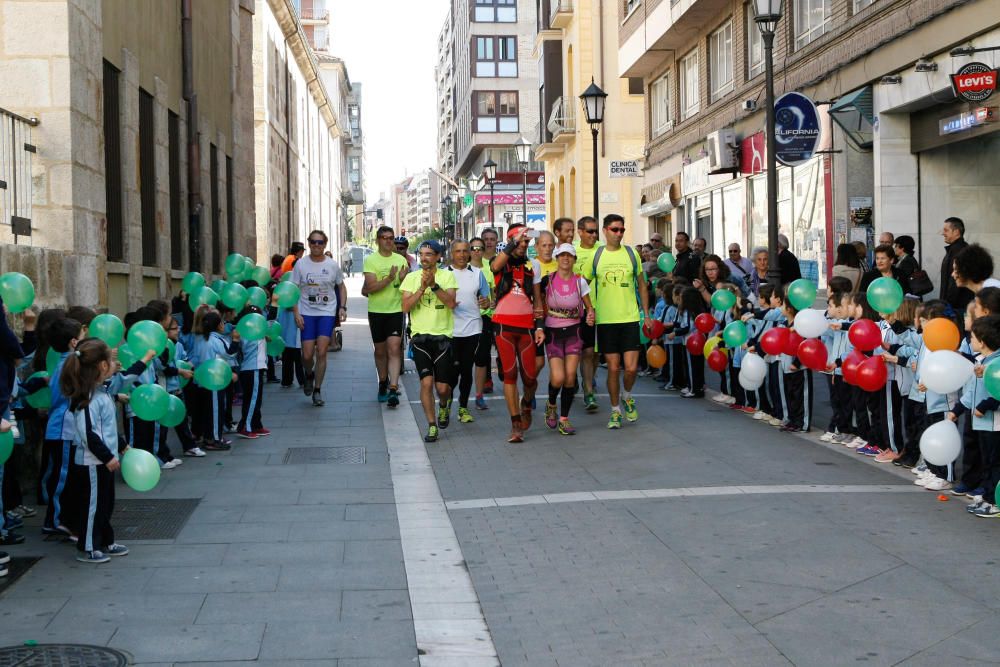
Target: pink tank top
564, 302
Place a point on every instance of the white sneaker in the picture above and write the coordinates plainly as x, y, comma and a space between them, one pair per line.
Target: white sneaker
730, 400
197, 451
760, 415
169, 465
177, 462
720, 398
858, 441
938, 484
828, 436
774, 421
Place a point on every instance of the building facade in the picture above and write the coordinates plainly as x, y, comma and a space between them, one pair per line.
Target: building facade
895, 153
444, 76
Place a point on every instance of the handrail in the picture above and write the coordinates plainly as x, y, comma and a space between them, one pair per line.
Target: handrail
562, 118
33, 122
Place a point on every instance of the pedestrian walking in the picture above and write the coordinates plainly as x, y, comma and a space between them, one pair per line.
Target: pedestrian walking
473, 295
384, 272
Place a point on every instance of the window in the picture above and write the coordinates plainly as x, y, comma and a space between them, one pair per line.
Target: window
174, 178
230, 206
147, 179
862, 4
495, 11
496, 112
720, 61
659, 100
213, 171
635, 85
689, 85
113, 163
630, 6
755, 46
496, 57
812, 19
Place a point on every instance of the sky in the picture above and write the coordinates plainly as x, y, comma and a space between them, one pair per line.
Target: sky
390, 46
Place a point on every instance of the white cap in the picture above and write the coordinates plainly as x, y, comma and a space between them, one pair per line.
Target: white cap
564, 247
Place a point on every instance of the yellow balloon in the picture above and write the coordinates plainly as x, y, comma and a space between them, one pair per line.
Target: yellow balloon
713, 343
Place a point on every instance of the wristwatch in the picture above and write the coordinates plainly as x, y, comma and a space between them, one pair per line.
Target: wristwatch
435, 287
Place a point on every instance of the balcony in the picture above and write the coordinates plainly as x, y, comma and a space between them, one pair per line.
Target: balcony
562, 120
668, 26
560, 13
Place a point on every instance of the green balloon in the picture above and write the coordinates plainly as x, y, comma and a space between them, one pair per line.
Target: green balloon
146, 335
108, 328
214, 375
802, 293
176, 412
127, 357
273, 330
52, 360
206, 295
41, 399
16, 291
234, 295
248, 267
275, 347
286, 277
149, 402
723, 299
6, 446
885, 295
260, 275
735, 334
991, 378
666, 262
288, 293
257, 297
217, 285
252, 326
234, 263
140, 469
192, 282
171, 350
186, 365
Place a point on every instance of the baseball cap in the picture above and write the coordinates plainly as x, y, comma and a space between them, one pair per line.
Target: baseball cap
433, 245
564, 247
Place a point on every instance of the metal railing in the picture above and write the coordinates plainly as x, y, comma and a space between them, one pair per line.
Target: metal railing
16, 150
562, 119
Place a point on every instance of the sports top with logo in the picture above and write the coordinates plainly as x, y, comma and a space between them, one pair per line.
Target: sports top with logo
614, 284
388, 299
318, 282
429, 316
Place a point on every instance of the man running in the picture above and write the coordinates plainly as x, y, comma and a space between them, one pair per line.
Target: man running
490, 242
473, 294
617, 277
563, 228
321, 283
513, 327
384, 272
585, 251
478, 248
429, 298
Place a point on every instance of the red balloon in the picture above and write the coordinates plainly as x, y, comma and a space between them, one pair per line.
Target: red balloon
773, 340
704, 323
849, 367
653, 329
696, 344
792, 343
865, 335
813, 354
717, 360
872, 374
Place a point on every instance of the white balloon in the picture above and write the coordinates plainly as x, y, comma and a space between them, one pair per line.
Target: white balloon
941, 443
810, 323
754, 368
944, 371
750, 382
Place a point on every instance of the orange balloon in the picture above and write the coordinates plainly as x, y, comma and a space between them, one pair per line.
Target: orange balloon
656, 356
941, 334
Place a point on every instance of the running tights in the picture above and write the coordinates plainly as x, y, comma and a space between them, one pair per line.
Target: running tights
514, 345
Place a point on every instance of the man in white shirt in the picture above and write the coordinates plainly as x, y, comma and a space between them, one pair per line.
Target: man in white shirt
473, 294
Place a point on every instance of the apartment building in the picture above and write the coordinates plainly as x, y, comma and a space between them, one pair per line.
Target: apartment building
444, 76
899, 150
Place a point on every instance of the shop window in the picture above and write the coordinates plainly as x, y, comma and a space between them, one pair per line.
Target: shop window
812, 20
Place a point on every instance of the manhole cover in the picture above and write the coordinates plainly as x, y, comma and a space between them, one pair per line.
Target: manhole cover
338, 455
153, 519
61, 655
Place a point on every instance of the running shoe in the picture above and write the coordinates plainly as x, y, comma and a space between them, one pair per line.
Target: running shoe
987, 511
631, 413
616, 420
261, 432
432, 434
93, 557
566, 428
525, 415
590, 402
195, 451
318, 399
26, 511
217, 446
516, 434
488, 386
464, 416
481, 403
116, 550
249, 435
550, 415
393, 398
169, 465
383, 391
868, 450
307, 386
444, 415
10, 537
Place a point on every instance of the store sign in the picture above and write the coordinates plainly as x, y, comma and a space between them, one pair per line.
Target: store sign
752, 153
484, 199
974, 82
624, 168
967, 120
796, 129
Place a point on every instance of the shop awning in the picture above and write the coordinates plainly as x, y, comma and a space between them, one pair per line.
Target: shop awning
855, 114
656, 207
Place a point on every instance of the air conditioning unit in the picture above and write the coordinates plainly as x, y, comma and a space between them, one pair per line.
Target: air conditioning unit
722, 151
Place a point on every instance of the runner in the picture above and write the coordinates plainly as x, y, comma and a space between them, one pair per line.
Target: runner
618, 279
429, 298
564, 298
542, 266
513, 323
384, 272
478, 248
473, 294
322, 284
563, 229
402, 246
490, 241
585, 251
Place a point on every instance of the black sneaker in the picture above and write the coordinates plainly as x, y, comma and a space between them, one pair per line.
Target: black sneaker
217, 446
307, 386
11, 538
393, 398
317, 399
4, 557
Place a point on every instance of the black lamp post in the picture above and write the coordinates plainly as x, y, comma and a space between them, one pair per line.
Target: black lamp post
445, 209
593, 105
490, 174
523, 149
767, 13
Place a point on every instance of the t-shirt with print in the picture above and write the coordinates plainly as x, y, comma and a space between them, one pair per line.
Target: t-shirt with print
318, 282
614, 284
584, 264
430, 316
388, 299
471, 285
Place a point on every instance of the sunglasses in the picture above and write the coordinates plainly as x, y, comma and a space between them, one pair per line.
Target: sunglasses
478, 248
317, 242
616, 230
589, 231
386, 238
733, 252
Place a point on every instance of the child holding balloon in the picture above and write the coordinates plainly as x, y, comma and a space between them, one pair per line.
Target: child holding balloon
148, 435
674, 346
177, 373
253, 364
214, 346
797, 383
926, 407
691, 305
899, 344
95, 427
867, 416
838, 310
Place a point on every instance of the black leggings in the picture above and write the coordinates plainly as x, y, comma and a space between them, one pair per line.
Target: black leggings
291, 362
464, 354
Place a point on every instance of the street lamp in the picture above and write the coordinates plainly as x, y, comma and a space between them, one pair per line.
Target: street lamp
523, 150
593, 106
490, 174
767, 13
445, 208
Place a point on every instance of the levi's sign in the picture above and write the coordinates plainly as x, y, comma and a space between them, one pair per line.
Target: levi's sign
974, 82
623, 168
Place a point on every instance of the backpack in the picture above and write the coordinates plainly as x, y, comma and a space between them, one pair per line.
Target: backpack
635, 270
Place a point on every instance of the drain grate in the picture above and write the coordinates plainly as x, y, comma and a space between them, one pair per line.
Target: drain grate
336, 455
153, 519
61, 655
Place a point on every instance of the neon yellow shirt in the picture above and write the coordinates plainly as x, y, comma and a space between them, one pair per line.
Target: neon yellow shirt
545, 268
388, 299
488, 273
615, 287
584, 265
430, 316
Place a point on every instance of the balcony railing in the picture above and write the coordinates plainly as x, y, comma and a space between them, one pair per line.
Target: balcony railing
16, 150
562, 119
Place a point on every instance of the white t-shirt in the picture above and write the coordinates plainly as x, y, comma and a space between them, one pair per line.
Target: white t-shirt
471, 285
318, 282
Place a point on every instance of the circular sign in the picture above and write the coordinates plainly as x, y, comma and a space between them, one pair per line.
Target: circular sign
796, 129
974, 82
